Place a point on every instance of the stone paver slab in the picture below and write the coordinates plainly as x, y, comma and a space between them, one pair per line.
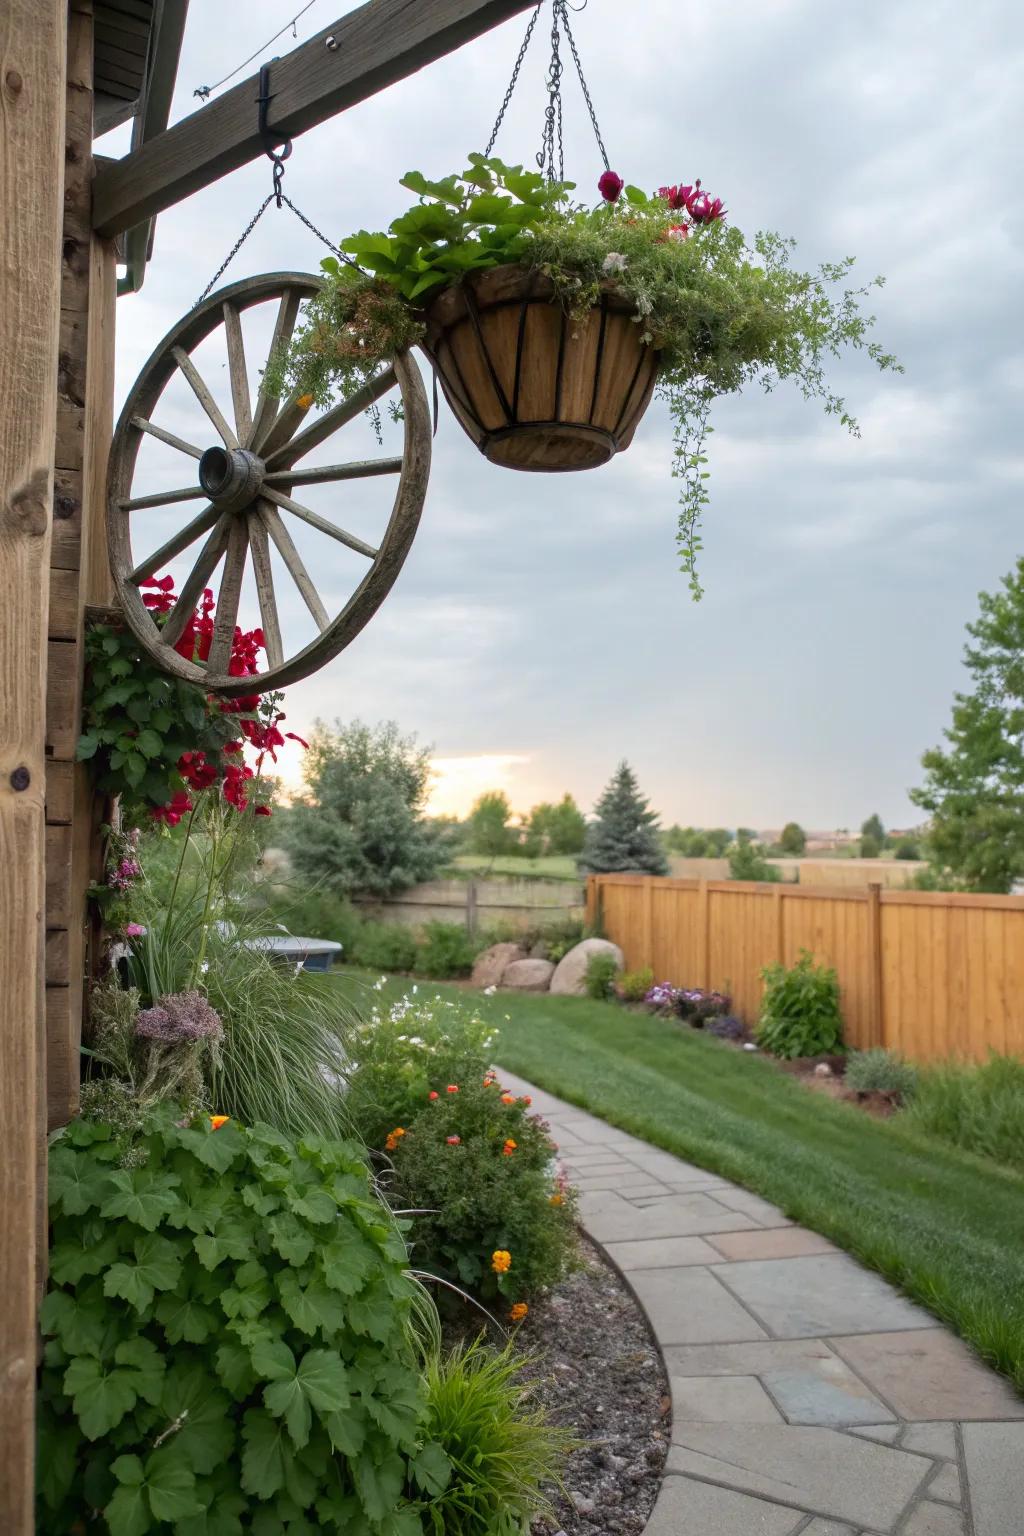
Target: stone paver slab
828, 1528
823, 1294
820, 1470
931, 1440
994, 1457
662, 1253
751, 1359
945, 1485
752, 1205
686, 1507
775, 1243
929, 1375
828, 1394
886, 1434
611, 1219
688, 1306
940, 1520
722, 1400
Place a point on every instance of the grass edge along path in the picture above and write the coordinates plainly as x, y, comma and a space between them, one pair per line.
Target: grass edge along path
943, 1225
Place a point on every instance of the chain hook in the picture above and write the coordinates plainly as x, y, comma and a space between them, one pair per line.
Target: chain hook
278, 147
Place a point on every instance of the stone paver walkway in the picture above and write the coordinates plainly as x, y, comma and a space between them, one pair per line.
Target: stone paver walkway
809, 1397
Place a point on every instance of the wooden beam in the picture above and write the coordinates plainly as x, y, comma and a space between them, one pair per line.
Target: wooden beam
32, 100
373, 47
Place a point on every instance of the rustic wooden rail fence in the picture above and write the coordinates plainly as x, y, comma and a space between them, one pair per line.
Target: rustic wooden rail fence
929, 975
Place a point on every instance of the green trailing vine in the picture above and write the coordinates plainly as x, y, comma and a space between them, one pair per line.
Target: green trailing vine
721, 312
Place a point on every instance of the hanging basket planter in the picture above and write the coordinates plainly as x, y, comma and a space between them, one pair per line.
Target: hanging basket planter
534, 387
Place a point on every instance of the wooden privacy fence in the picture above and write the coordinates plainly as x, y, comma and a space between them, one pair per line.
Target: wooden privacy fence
927, 975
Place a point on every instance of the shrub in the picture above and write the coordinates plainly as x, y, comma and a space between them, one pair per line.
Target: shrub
979, 1108
399, 1056
446, 950
800, 1013
698, 1005
726, 1027
600, 977
907, 849
502, 1448
477, 1169
633, 986
879, 1071
386, 947
228, 1339
662, 996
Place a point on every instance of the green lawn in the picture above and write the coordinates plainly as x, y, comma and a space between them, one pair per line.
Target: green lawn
944, 1225
555, 866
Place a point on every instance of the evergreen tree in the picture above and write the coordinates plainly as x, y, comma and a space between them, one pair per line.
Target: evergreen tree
974, 789
624, 838
874, 829
747, 862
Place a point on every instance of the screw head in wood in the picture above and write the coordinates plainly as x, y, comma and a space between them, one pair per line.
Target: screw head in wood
20, 778
331, 43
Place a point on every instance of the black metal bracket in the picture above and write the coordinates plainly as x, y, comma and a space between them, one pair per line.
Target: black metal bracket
277, 146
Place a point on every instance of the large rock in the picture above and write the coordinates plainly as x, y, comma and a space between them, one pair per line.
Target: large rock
491, 964
571, 972
528, 975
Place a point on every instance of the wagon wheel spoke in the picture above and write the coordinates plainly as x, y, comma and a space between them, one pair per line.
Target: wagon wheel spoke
204, 396
292, 413
359, 469
259, 544
196, 582
333, 420
274, 524
316, 521
266, 405
163, 499
239, 377
228, 597
167, 437
174, 546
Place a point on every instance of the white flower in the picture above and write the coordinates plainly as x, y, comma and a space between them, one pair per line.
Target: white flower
205, 967
615, 262
414, 991
489, 991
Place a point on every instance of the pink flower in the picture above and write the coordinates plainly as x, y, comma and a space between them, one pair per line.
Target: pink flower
610, 187
704, 209
454, 1141
677, 197
134, 930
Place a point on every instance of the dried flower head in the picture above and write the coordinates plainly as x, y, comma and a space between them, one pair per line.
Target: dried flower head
179, 1018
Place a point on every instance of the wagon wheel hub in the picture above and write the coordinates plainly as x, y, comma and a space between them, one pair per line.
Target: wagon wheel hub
231, 477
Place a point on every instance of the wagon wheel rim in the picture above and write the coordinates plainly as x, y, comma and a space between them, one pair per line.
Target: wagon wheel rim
243, 476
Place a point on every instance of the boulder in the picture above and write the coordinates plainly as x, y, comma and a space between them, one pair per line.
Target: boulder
528, 975
571, 972
490, 963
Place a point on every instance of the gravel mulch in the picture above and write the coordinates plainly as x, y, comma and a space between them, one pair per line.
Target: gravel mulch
600, 1375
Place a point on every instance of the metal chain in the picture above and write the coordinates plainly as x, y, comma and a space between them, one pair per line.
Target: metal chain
553, 111
515, 78
243, 237
586, 88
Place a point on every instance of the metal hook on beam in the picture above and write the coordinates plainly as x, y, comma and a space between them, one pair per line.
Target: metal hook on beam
277, 146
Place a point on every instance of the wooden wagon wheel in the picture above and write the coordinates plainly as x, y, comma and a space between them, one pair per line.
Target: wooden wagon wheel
246, 480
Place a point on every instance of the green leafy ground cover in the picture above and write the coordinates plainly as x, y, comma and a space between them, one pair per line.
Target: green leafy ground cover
944, 1225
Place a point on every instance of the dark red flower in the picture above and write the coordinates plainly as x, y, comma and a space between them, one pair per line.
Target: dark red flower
292, 737
196, 771
677, 197
263, 810
704, 209
610, 187
178, 806
236, 777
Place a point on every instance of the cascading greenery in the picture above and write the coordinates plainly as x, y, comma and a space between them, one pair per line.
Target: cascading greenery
721, 312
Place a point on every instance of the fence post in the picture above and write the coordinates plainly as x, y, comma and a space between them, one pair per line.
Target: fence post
876, 1010
648, 923
780, 925
471, 911
703, 935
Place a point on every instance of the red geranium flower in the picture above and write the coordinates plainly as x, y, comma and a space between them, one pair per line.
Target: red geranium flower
196, 771
178, 806
677, 197
610, 187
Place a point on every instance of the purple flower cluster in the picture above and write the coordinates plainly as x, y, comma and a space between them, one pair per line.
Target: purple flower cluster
124, 874
178, 1019
697, 1004
662, 995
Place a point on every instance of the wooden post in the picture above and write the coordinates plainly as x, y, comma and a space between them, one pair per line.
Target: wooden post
471, 909
32, 70
704, 934
779, 925
876, 1011
79, 573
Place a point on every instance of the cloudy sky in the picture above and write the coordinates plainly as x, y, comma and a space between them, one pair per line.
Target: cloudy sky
541, 630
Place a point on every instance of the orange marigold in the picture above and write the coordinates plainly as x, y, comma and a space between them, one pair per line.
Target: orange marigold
501, 1261
509, 1147
508, 1098
556, 1200
519, 1311
394, 1138
216, 1121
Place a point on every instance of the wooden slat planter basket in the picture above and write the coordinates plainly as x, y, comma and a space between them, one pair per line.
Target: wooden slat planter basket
534, 388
